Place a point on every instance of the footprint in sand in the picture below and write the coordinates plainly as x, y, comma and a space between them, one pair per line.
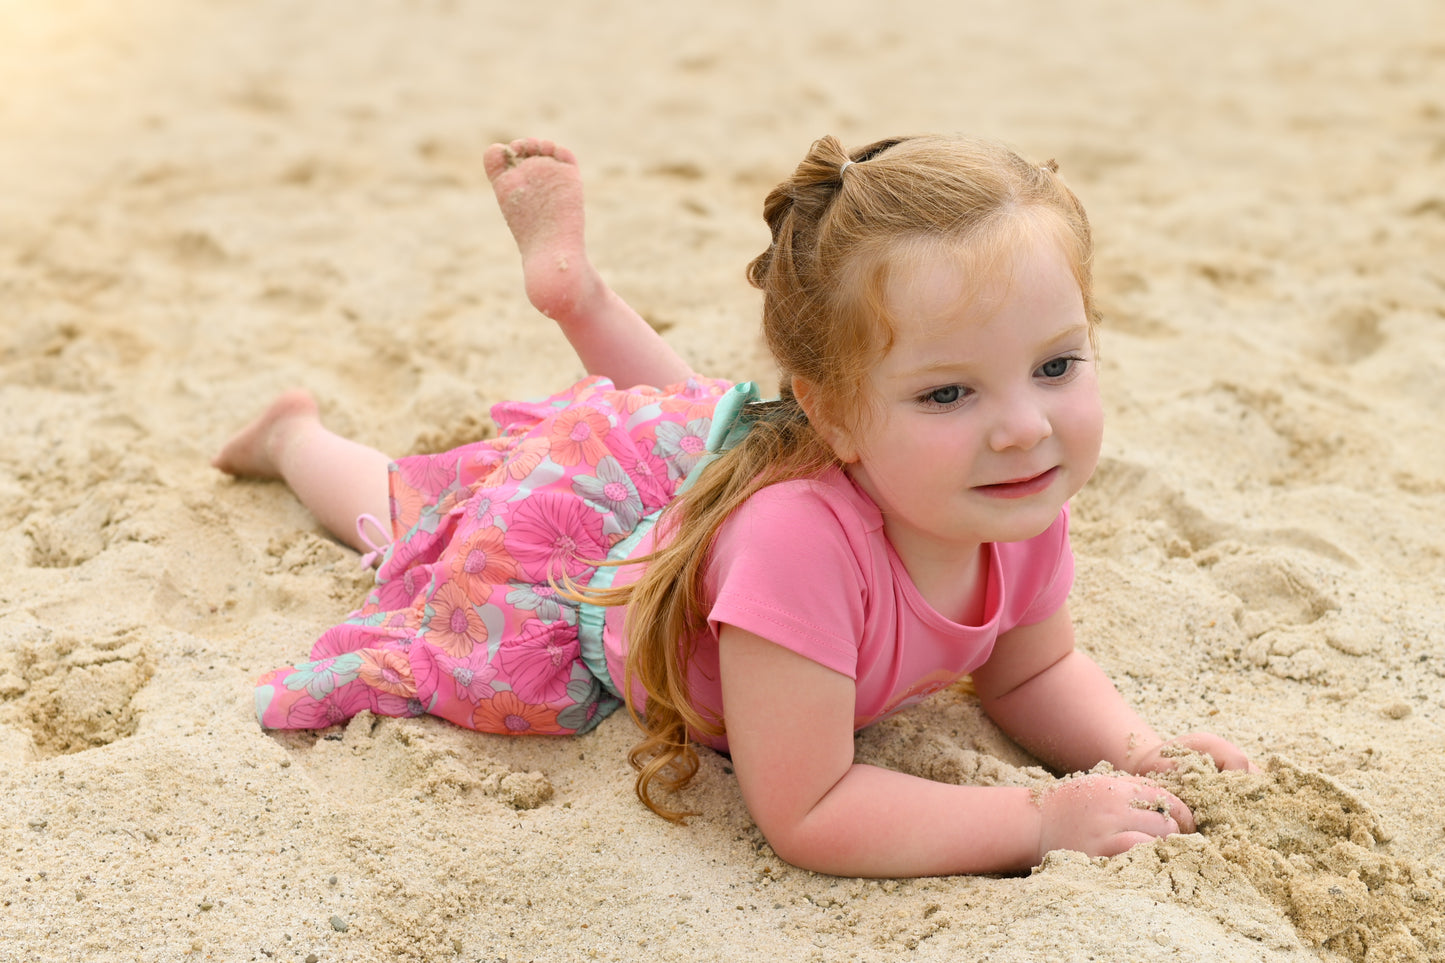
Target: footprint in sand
1306, 422
69, 537
1273, 591
1349, 335
1124, 496
68, 694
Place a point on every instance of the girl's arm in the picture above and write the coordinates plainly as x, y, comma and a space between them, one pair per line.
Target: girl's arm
790, 733
1059, 705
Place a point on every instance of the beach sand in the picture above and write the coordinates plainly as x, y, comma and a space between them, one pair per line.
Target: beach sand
205, 203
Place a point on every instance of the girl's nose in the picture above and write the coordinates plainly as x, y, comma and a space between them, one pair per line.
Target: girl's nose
1021, 423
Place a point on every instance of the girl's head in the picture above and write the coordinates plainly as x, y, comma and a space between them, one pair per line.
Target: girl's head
844, 225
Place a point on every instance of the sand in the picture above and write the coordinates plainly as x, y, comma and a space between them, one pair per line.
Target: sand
203, 204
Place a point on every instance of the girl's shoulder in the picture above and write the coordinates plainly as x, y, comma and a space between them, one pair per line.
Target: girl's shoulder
830, 496
819, 528
797, 564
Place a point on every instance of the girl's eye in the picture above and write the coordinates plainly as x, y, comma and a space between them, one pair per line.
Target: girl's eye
945, 397
1058, 367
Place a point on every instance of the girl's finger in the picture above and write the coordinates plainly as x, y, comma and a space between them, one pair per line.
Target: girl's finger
1177, 811
1119, 842
1155, 802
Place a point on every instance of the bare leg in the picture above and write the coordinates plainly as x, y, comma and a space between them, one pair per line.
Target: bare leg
336, 478
539, 189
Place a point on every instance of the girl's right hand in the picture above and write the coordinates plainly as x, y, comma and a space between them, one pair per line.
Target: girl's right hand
1103, 814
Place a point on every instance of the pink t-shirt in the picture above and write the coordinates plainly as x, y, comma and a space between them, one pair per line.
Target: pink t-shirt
805, 565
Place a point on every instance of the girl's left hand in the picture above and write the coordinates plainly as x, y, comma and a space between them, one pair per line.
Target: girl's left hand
1224, 754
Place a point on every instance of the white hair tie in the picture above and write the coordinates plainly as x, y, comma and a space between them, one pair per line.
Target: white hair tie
843, 167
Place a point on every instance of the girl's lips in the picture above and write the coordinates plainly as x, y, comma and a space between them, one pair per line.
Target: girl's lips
1021, 488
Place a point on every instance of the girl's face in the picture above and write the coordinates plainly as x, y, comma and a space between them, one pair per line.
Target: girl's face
987, 412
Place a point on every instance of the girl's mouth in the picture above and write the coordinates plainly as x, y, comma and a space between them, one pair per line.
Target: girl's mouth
1020, 487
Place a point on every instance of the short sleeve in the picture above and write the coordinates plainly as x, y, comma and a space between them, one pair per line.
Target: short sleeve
785, 567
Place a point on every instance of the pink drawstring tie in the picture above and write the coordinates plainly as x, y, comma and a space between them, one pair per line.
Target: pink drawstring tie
373, 557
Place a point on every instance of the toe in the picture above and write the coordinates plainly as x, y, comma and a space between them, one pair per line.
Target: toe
497, 160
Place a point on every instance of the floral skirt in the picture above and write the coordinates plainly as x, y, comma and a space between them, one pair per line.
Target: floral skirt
464, 622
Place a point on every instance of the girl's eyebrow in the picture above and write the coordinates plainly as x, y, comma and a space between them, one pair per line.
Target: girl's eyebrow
1072, 333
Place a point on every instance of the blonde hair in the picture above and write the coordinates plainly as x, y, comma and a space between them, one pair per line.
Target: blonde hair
837, 225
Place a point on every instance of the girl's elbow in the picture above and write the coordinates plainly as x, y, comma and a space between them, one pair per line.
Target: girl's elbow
786, 841
793, 850
801, 845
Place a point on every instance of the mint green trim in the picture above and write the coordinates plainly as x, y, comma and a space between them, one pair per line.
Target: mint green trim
727, 428
591, 619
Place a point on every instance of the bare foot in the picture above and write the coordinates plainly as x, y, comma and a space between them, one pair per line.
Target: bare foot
253, 452
539, 189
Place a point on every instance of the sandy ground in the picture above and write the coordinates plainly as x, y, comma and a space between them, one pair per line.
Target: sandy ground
204, 203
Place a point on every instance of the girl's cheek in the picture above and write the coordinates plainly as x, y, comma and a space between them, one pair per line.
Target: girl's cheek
1086, 420
1096, 430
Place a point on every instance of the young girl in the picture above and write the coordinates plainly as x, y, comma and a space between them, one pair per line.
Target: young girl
897, 520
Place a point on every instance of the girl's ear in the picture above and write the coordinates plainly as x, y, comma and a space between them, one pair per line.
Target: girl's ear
838, 438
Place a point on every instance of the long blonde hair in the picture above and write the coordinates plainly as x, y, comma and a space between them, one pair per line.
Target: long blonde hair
836, 223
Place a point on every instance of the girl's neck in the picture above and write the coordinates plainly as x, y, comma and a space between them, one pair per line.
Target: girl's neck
955, 584
952, 581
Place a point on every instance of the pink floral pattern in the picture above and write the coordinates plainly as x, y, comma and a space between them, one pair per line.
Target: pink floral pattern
463, 622
388, 671
527, 456
435, 474
480, 562
577, 435
508, 715
555, 534
454, 624
536, 662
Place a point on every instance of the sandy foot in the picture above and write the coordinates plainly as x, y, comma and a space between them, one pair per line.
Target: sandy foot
539, 189
253, 451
